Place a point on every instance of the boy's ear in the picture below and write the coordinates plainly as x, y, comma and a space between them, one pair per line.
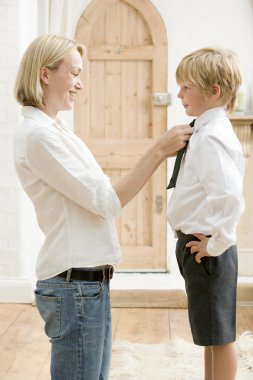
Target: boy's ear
216, 90
44, 75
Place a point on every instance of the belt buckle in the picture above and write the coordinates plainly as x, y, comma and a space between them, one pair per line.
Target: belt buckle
107, 273
103, 270
68, 275
111, 270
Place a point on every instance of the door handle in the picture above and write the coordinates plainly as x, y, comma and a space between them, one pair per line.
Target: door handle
162, 99
159, 204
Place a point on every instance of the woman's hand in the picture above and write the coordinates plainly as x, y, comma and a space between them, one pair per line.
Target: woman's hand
164, 146
174, 139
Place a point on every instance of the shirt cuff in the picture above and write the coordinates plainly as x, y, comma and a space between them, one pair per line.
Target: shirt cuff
216, 248
118, 208
112, 208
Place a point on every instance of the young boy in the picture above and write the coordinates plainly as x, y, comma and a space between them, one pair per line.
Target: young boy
207, 203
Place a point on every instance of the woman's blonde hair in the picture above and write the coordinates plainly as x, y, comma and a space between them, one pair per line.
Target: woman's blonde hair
208, 66
47, 50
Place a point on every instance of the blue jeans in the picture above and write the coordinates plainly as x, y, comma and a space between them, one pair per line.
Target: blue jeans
77, 317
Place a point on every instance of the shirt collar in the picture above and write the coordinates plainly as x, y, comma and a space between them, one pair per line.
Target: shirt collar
39, 116
207, 116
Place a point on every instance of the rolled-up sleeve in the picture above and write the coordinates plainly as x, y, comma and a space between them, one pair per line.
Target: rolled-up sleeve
55, 163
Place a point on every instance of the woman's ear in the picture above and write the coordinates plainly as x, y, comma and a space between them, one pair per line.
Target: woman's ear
216, 91
44, 75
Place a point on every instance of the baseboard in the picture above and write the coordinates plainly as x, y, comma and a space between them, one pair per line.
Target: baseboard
132, 290
16, 291
245, 291
171, 294
148, 298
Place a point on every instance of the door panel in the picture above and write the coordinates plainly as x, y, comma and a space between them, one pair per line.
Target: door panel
126, 62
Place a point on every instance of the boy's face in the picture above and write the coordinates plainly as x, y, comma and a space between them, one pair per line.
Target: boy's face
194, 100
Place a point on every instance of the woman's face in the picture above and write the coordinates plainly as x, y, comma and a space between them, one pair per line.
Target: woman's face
62, 85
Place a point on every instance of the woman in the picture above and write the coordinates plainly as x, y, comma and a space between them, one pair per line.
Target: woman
75, 205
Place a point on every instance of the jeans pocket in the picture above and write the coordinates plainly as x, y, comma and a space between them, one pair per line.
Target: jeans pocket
92, 291
50, 310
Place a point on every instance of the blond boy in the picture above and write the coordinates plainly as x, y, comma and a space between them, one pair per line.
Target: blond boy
207, 203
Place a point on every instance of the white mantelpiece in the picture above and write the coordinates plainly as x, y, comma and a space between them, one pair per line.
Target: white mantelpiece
242, 124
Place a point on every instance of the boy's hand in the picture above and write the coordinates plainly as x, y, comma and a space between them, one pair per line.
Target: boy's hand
198, 247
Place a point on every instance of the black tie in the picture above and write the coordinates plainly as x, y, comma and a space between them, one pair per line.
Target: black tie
177, 164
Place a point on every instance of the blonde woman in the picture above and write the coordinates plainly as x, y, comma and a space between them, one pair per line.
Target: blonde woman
75, 205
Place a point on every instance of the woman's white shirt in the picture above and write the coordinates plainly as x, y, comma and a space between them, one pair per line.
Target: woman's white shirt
74, 200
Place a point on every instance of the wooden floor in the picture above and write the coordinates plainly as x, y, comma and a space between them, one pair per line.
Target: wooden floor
25, 350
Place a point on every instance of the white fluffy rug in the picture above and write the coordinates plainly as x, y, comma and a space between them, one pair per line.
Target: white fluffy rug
179, 360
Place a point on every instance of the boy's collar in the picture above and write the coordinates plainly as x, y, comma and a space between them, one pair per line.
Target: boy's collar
207, 116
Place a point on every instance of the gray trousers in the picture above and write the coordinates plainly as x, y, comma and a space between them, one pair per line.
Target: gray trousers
211, 289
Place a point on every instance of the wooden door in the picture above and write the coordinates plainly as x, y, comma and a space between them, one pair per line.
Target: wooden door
126, 63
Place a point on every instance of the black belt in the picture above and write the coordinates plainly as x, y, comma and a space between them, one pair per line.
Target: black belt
88, 274
181, 235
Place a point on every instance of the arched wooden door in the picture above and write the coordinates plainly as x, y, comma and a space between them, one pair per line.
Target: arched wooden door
126, 63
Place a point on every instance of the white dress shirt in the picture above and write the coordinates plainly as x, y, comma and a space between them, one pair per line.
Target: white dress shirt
208, 196
74, 201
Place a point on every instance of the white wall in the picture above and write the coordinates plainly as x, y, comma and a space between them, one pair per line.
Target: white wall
194, 24
17, 222
190, 25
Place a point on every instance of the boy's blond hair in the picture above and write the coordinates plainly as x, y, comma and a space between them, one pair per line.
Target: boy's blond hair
208, 66
47, 50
